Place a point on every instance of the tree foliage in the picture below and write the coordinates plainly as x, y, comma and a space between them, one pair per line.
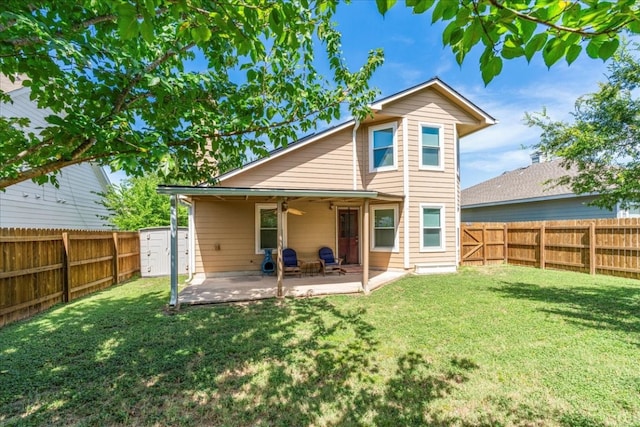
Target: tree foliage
136, 204
121, 79
603, 141
510, 29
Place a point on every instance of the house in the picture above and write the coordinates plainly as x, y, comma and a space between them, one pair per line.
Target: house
73, 205
382, 193
523, 194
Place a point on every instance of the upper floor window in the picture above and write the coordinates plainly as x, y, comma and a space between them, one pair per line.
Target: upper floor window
385, 221
383, 147
431, 138
432, 232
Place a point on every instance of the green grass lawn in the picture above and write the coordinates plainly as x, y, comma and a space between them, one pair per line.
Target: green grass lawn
484, 347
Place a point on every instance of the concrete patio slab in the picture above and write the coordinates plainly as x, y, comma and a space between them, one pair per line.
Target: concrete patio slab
249, 288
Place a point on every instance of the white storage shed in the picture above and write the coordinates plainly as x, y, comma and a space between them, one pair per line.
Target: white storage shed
155, 251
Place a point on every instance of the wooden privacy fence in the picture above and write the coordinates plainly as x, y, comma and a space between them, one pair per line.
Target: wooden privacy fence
600, 246
40, 268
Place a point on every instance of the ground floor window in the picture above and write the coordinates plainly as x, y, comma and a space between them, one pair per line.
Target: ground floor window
266, 226
431, 226
385, 225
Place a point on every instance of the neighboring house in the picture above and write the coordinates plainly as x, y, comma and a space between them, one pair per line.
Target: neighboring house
383, 193
524, 195
73, 205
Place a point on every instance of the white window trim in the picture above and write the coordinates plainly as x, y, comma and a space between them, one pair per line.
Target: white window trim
258, 207
394, 166
396, 238
443, 239
440, 128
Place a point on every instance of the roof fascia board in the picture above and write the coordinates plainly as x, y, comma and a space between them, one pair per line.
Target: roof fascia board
263, 192
528, 200
286, 150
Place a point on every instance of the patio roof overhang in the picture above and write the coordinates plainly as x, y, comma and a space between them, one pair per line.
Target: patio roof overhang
235, 193
231, 193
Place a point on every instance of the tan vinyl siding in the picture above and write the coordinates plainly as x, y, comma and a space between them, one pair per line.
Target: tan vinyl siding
313, 230
431, 187
231, 225
384, 181
324, 164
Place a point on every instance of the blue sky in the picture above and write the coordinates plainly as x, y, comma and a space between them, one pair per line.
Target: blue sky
414, 53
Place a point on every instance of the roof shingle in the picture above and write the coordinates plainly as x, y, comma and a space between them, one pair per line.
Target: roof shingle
518, 185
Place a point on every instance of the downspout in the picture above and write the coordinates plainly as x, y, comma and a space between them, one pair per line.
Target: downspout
457, 191
173, 299
405, 171
354, 153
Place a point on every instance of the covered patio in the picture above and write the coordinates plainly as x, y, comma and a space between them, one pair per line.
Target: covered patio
226, 222
256, 287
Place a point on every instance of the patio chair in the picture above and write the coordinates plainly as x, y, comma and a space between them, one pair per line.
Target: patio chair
328, 263
291, 263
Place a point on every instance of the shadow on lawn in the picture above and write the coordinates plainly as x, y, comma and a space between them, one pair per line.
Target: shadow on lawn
123, 361
613, 308
117, 360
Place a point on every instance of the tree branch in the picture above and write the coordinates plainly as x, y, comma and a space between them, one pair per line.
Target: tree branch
120, 101
580, 31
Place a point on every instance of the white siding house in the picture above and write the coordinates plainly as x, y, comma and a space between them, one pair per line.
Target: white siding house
73, 205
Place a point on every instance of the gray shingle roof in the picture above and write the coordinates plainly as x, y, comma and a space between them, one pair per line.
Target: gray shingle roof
519, 185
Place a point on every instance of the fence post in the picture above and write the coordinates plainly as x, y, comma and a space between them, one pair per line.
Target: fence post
66, 280
505, 243
542, 247
592, 248
484, 244
116, 260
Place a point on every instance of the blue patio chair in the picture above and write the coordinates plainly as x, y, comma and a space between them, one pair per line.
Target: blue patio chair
291, 263
328, 263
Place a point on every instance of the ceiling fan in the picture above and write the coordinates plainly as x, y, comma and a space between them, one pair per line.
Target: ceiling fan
292, 211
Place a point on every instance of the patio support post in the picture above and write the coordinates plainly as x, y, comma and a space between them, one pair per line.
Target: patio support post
280, 263
365, 248
173, 300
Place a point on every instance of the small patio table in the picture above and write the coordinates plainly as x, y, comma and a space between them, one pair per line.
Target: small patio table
310, 268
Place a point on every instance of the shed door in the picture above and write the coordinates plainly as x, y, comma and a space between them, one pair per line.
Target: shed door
348, 241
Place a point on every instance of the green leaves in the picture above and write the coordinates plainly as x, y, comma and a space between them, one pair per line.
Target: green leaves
512, 28
186, 88
601, 142
127, 20
136, 204
385, 5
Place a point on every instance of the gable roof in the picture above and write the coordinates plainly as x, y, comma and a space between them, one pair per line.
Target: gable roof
434, 83
444, 89
521, 185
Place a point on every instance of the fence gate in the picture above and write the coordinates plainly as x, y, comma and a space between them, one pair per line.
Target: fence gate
472, 245
482, 244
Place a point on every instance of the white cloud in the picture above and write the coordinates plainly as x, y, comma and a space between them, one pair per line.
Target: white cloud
399, 38
492, 151
408, 75
479, 167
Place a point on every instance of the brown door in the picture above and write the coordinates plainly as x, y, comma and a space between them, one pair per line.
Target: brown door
348, 235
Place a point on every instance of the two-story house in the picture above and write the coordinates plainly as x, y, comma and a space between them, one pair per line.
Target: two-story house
383, 193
